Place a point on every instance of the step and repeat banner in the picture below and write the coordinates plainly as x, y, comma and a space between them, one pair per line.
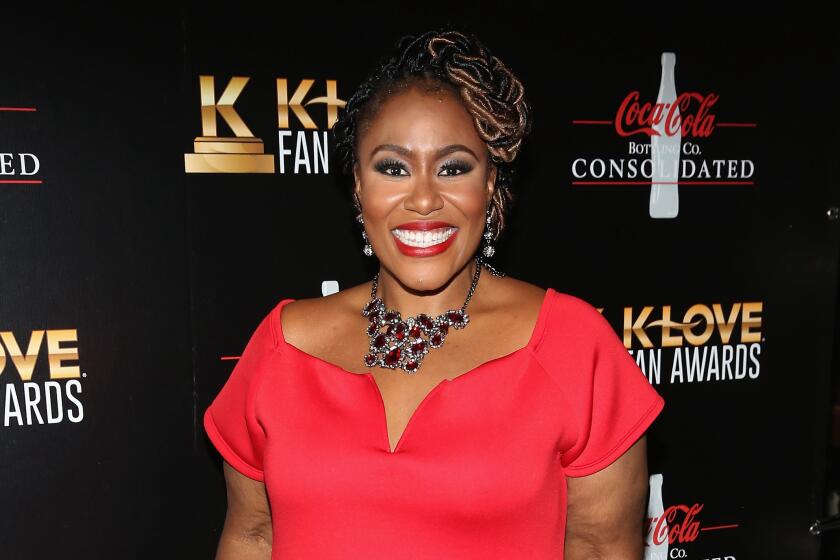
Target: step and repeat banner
167, 177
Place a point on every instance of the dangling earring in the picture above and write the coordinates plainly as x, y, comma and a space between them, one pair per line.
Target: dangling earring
367, 250
488, 237
488, 248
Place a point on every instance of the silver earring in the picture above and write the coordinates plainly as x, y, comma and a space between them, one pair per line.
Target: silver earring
367, 250
488, 237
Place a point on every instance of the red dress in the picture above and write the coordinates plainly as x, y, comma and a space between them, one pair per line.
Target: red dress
480, 470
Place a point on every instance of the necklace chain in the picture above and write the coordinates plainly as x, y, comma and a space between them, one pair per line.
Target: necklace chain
402, 344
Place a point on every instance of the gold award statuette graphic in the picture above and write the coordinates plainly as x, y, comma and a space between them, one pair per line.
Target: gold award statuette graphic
243, 153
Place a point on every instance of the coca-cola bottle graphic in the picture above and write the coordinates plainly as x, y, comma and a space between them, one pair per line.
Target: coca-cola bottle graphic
656, 540
665, 147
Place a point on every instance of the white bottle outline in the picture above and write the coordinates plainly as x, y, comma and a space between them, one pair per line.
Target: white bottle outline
655, 512
665, 150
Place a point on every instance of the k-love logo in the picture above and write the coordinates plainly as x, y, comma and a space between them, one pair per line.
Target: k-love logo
674, 131
17, 168
669, 529
28, 399
705, 343
245, 153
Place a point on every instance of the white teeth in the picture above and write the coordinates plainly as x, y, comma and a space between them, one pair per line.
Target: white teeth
418, 238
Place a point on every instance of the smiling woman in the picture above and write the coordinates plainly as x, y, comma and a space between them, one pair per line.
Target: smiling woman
449, 66
522, 435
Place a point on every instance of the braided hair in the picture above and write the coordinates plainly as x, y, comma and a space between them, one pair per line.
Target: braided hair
460, 62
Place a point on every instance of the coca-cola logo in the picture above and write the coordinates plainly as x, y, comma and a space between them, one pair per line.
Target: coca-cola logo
634, 117
666, 526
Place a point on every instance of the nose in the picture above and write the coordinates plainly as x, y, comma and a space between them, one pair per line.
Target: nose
424, 197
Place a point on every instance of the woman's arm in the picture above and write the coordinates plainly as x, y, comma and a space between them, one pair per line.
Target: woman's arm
606, 509
247, 532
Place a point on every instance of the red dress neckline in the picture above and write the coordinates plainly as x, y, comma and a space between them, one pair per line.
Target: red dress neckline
533, 341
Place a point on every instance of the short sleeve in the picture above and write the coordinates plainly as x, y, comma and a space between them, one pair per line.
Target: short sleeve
614, 403
230, 421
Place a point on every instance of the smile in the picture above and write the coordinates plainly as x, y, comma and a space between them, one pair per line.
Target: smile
423, 239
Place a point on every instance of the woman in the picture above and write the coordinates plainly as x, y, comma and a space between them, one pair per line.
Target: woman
436, 411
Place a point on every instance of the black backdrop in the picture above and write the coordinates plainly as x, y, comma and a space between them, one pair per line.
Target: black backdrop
157, 276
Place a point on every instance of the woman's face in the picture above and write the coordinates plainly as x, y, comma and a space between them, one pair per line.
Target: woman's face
421, 161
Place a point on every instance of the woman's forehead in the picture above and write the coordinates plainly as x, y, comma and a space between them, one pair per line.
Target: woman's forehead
422, 122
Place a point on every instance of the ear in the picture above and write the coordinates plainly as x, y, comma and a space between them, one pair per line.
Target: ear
357, 181
491, 181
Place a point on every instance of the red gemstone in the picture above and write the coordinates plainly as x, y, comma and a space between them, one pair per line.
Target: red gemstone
372, 328
425, 321
390, 316
415, 331
399, 331
370, 307
436, 339
374, 316
379, 341
370, 359
444, 328
418, 346
393, 356
411, 365
456, 317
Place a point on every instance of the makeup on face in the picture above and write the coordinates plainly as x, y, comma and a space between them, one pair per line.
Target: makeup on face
421, 174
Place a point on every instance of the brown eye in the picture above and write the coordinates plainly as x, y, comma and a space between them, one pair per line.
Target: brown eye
455, 167
390, 167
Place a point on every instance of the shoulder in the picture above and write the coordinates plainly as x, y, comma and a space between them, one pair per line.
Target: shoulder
510, 296
561, 309
575, 308
298, 321
573, 326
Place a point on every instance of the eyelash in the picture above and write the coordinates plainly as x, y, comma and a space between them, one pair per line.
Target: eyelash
453, 165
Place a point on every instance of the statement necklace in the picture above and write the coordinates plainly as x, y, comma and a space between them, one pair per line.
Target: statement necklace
405, 342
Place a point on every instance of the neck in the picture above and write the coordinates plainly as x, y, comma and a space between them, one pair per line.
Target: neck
410, 300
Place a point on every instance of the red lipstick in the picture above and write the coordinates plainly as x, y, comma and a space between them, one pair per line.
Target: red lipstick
424, 225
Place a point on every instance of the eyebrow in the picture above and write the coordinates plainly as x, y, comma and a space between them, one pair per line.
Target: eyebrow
407, 153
